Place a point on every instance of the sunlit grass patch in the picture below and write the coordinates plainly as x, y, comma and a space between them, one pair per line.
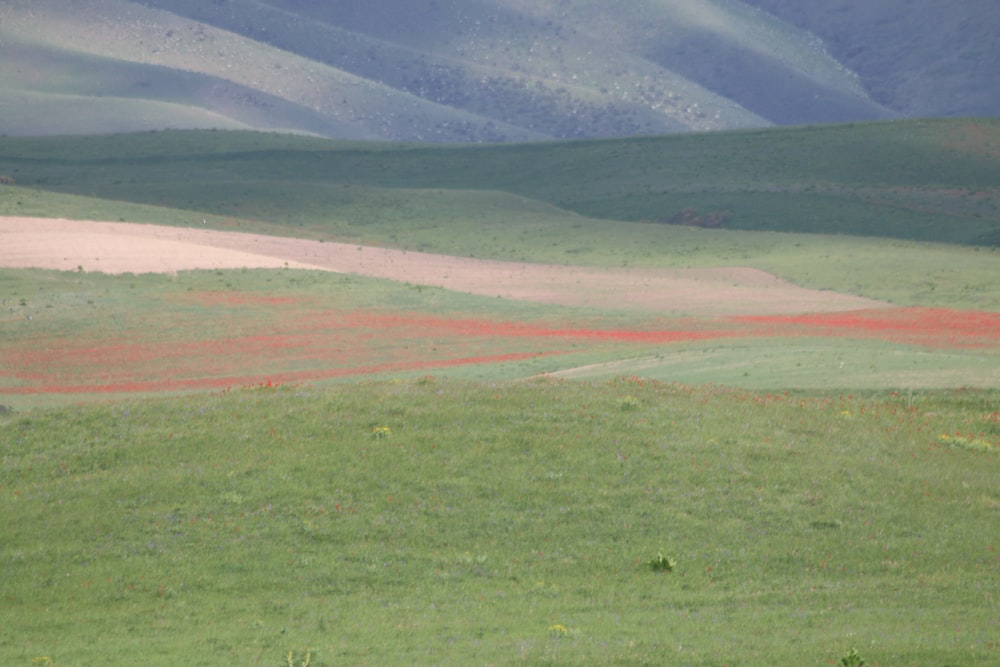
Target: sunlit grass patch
500, 522
971, 443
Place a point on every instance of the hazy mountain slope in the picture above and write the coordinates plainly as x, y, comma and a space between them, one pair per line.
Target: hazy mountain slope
517, 67
743, 54
675, 47
101, 43
442, 70
53, 91
919, 57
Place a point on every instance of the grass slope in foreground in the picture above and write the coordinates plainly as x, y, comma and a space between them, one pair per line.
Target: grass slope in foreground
439, 522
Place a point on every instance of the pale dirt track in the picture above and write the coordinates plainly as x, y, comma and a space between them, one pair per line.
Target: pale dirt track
112, 247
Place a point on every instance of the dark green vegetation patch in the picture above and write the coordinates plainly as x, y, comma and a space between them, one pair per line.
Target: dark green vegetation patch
920, 180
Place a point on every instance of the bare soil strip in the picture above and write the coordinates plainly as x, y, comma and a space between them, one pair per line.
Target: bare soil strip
115, 247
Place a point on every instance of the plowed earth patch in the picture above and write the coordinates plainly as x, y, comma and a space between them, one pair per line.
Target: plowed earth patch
110, 247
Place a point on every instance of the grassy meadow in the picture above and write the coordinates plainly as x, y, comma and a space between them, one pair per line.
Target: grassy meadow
445, 522
279, 468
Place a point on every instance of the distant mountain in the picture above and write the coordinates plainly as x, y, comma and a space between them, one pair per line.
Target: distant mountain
486, 70
917, 57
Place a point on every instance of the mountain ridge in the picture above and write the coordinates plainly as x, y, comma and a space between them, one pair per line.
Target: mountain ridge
439, 71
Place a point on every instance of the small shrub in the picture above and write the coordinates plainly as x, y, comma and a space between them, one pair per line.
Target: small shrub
296, 659
852, 659
558, 631
628, 403
662, 563
972, 444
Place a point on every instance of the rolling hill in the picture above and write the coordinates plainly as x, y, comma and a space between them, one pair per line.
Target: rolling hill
927, 180
722, 397
482, 70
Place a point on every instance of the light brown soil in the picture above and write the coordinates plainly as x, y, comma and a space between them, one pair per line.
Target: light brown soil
113, 247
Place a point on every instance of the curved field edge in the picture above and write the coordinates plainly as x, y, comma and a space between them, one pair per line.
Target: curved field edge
116, 248
603, 203
501, 227
817, 364
387, 522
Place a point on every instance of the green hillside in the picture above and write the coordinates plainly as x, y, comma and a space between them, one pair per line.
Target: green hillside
290, 468
905, 212
287, 468
919, 180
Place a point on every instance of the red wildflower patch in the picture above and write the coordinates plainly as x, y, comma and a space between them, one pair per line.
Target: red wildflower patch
935, 327
299, 347
496, 329
309, 343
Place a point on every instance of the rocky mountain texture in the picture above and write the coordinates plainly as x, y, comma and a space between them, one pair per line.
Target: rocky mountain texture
485, 70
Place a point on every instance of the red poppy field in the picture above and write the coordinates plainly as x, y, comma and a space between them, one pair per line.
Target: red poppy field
288, 340
167, 338
930, 327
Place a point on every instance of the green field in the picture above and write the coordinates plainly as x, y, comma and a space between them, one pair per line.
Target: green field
443, 522
909, 211
83, 336
932, 180
280, 467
